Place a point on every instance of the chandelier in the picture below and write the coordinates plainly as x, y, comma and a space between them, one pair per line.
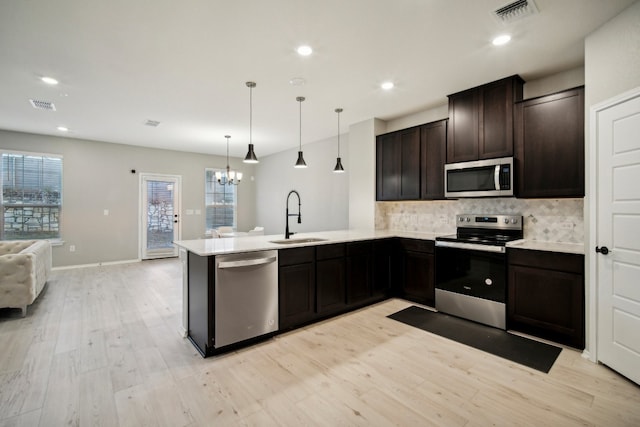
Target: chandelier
229, 177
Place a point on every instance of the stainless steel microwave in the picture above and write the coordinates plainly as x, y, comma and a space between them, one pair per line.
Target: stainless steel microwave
481, 178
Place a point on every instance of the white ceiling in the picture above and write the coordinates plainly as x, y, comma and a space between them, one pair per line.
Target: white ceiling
185, 63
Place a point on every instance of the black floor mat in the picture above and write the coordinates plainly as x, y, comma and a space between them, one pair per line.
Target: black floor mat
500, 343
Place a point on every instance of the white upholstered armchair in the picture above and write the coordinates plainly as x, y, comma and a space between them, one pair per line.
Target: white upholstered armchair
24, 269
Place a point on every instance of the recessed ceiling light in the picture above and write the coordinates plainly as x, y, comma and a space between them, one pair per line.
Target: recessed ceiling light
304, 50
502, 39
49, 80
297, 81
63, 129
387, 85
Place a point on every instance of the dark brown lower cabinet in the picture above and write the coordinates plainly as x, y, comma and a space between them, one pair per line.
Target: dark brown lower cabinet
201, 301
384, 267
331, 278
418, 271
359, 266
545, 296
297, 286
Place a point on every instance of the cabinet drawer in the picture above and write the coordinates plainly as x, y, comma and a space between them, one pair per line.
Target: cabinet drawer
571, 263
330, 251
296, 255
417, 245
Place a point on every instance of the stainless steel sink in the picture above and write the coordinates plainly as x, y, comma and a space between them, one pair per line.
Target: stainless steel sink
299, 240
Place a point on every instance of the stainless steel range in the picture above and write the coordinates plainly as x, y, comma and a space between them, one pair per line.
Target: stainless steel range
471, 267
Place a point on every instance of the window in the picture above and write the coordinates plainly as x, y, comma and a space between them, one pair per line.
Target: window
220, 202
31, 196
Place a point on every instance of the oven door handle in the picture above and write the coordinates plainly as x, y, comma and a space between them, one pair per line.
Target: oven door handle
471, 246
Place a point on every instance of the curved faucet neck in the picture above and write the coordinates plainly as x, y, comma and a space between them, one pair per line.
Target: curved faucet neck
287, 234
289, 195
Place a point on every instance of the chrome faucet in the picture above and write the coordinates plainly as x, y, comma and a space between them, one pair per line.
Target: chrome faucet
287, 234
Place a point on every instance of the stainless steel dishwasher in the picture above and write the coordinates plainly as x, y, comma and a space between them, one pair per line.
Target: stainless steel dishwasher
246, 296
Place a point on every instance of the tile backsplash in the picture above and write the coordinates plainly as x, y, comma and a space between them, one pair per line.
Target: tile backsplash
546, 220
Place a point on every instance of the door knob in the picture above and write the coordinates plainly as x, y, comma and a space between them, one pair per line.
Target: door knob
603, 250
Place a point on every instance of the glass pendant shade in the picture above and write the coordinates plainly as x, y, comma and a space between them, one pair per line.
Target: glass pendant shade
218, 176
251, 156
300, 163
338, 168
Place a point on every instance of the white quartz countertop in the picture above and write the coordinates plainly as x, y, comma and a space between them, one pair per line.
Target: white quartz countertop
230, 245
570, 248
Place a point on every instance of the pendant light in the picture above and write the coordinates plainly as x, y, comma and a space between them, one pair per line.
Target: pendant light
251, 156
300, 163
229, 178
338, 168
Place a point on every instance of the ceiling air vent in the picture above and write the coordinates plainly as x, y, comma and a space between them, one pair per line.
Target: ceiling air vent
42, 105
152, 123
515, 10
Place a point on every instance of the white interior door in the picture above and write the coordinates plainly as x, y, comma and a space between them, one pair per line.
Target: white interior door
159, 219
617, 132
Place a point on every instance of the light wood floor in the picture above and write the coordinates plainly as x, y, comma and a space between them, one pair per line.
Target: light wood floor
102, 346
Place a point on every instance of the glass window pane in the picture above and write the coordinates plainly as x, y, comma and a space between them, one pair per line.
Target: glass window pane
220, 202
31, 196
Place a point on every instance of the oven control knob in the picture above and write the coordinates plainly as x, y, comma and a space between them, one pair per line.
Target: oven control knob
461, 219
514, 221
468, 219
506, 220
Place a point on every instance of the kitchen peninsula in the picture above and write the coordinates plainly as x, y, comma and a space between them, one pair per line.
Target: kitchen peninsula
318, 275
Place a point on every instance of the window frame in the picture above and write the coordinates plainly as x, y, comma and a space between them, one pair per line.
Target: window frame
207, 206
53, 240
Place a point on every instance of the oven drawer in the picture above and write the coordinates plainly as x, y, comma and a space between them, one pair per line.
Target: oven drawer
474, 273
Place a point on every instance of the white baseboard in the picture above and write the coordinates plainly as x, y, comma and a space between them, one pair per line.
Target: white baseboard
97, 264
587, 355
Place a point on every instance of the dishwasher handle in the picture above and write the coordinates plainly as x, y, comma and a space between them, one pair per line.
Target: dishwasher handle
247, 262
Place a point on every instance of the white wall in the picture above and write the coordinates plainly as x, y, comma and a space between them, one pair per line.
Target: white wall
612, 67
427, 116
324, 194
554, 83
97, 176
362, 177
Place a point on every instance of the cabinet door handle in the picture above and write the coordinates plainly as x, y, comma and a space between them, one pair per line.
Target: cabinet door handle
603, 250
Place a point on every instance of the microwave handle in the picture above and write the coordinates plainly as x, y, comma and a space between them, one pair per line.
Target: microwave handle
496, 177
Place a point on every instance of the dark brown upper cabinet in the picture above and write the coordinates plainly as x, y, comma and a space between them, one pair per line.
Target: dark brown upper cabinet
410, 163
433, 152
398, 165
549, 145
481, 121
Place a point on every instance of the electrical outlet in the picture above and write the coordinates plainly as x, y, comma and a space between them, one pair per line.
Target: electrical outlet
72, 248
106, 212
444, 219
